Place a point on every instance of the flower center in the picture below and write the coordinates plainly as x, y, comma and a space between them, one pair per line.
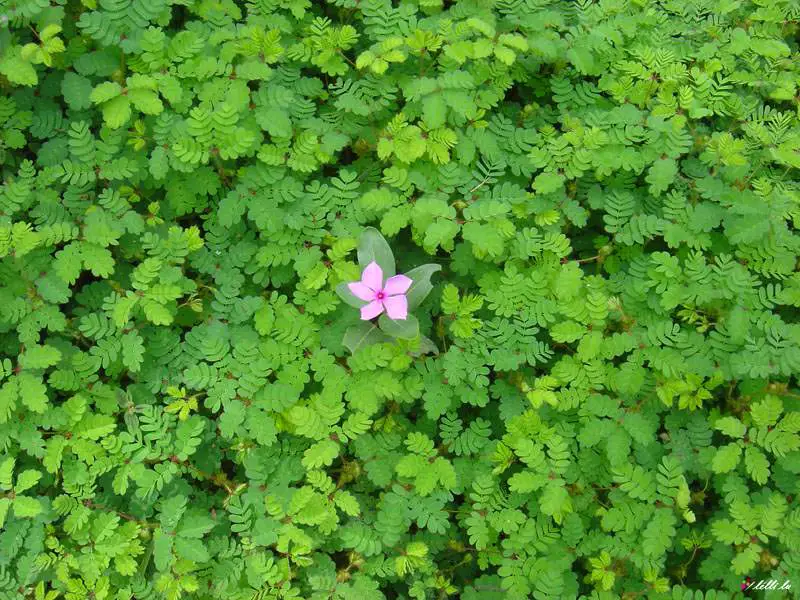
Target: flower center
380, 296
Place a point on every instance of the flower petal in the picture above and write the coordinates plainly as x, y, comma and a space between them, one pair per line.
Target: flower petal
371, 310
361, 291
372, 277
396, 307
398, 284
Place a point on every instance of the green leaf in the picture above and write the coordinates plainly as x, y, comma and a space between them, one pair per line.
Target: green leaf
767, 412
54, 453
661, 175
6, 473
26, 507
146, 101
434, 110
555, 501
426, 346
372, 246
117, 111
157, 313
442, 232
745, 560
162, 549
525, 482
321, 454
658, 533
94, 426
5, 505
567, 331
18, 70
582, 58
731, 426
726, 458
347, 503
76, 90
757, 465
39, 357
409, 144
105, 92
33, 392
421, 284
26, 480
276, 122
191, 549
133, 351
97, 259
68, 262
195, 526
264, 319
505, 55
406, 329
362, 335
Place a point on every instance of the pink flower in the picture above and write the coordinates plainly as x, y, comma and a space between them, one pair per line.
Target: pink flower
389, 296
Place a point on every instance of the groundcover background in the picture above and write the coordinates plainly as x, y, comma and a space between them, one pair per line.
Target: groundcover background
611, 189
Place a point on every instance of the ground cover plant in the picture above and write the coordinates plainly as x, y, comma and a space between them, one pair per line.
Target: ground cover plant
588, 388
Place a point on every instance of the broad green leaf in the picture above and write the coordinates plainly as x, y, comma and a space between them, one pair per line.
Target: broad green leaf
406, 329
362, 335
421, 284
372, 246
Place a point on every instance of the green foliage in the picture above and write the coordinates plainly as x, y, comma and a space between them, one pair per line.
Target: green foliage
596, 396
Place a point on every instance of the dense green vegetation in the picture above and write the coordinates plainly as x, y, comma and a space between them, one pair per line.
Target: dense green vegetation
593, 394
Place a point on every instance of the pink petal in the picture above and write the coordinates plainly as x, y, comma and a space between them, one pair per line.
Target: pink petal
396, 307
372, 277
371, 310
361, 291
397, 284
